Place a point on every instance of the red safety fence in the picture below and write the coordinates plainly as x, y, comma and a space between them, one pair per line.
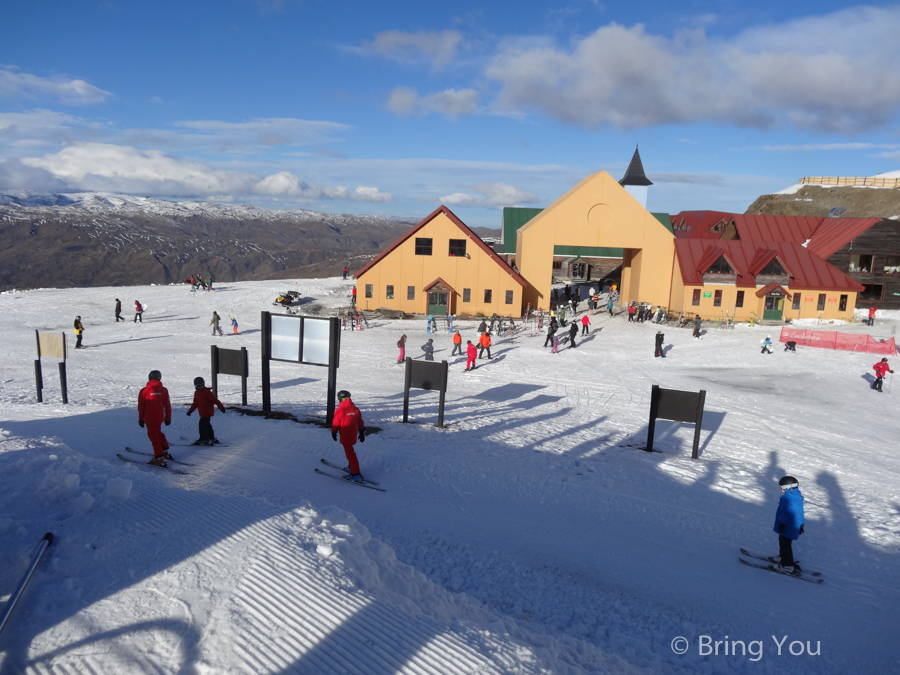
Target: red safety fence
834, 340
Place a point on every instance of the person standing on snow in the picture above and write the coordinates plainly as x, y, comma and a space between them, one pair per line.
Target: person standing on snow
154, 409
881, 369
788, 523
485, 343
555, 348
348, 422
138, 312
659, 344
205, 403
428, 348
353, 297
872, 311
79, 330
697, 323
401, 344
482, 327
346, 271
631, 309
767, 345
119, 311
585, 322
457, 344
471, 353
552, 327
214, 322
234, 325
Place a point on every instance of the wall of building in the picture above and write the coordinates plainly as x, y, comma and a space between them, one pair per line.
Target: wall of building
880, 240
403, 268
808, 304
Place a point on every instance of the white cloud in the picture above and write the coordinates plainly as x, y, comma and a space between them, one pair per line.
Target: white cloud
437, 47
490, 195
450, 102
286, 184
832, 146
14, 84
43, 127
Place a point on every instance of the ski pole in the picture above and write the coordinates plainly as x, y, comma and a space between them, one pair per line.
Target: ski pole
45, 542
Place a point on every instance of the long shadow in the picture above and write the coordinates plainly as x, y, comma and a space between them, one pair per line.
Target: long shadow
291, 383
120, 342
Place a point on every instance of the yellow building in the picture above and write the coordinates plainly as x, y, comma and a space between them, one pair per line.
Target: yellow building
440, 267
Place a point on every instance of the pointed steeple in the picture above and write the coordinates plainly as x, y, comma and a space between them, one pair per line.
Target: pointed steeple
635, 174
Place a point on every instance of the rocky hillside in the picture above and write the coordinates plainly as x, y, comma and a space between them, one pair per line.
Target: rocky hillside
77, 240
814, 200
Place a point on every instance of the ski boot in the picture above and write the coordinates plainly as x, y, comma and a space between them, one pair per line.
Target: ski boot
159, 460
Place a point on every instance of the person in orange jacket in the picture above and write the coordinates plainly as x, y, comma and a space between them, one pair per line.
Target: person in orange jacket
471, 353
154, 409
457, 344
205, 403
349, 422
485, 343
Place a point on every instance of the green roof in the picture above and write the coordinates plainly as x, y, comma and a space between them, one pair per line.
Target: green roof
665, 220
589, 251
514, 217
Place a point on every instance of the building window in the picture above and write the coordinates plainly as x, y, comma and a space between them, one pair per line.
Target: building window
458, 247
740, 299
774, 269
717, 300
368, 290
795, 304
557, 264
423, 246
892, 264
389, 292
842, 306
467, 295
696, 299
721, 266
872, 292
488, 296
820, 305
410, 292
509, 297
862, 264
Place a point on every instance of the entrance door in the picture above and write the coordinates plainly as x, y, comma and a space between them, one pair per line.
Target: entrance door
437, 303
773, 308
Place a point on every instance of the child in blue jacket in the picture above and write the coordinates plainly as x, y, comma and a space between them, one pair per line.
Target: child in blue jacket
788, 522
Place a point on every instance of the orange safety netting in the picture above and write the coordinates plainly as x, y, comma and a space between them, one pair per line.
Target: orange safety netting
835, 340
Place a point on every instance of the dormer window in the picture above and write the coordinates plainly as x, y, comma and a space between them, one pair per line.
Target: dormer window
721, 266
719, 227
774, 268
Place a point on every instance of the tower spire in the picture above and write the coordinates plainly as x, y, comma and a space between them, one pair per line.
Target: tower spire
635, 175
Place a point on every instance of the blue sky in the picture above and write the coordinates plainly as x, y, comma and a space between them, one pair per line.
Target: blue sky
394, 108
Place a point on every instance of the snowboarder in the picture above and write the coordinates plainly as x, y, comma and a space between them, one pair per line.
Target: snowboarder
138, 312
573, 331
697, 323
471, 353
401, 344
214, 322
154, 409
119, 311
485, 343
205, 403
234, 325
788, 523
881, 368
766, 345
349, 422
428, 348
79, 330
457, 344
659, 344
585, 322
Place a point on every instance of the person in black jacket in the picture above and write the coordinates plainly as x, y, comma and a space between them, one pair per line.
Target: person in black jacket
573, 331
79, 330
659, 344
119, 311
551, 331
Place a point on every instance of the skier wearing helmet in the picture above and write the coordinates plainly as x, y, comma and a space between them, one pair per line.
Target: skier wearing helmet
205, 403
348, 422
788, 523
881, 369
154, 409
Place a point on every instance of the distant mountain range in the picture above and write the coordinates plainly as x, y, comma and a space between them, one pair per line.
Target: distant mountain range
98, 239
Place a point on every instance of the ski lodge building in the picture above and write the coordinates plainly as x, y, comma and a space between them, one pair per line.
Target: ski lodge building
698, 262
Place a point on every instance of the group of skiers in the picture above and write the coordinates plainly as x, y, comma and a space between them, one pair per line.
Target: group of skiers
197, 282
216, 329
641, 312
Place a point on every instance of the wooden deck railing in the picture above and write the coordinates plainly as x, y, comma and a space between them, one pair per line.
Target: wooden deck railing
852, 181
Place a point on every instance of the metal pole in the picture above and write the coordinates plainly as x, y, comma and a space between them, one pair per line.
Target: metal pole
244, 374
334, 352
406, 382
63, 383
38, 380
443, 392
266, 331
45, 542
654, 408
701, 401
214, 367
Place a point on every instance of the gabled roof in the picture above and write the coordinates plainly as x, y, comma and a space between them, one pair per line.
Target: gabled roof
698, 224
835, 233
768, 288
710, 257
635, 175
807, 271
462, 226
775, 228
443, 283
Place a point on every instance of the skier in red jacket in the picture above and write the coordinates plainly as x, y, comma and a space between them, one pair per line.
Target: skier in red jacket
154, 409
205, 403
471, 353
881, 369
349, 422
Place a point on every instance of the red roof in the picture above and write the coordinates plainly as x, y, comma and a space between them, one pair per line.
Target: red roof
807, 271
442, 282
835, 233
698, 224
462, 226
768, 288
776, 228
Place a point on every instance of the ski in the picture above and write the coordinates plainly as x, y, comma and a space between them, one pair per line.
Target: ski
195, 444
150, 454
771, 559
350, 482
152, 466
772, 568
344, 469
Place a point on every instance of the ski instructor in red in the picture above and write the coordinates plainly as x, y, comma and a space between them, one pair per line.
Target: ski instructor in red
349, 422
154, 409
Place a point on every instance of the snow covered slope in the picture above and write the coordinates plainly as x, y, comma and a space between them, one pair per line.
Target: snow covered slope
531, 535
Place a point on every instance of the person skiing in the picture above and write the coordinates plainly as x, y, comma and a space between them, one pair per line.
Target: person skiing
234, 325
214, 322
767, 345
697, 323
154, 409
138, 312
205, 403
471, 353
428, 348
881, 369
573, 331
348, 422
659, 344
457, 344
401, 344
788, 524
585, 322
485, 343
119, 311
79, 330
554, 349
